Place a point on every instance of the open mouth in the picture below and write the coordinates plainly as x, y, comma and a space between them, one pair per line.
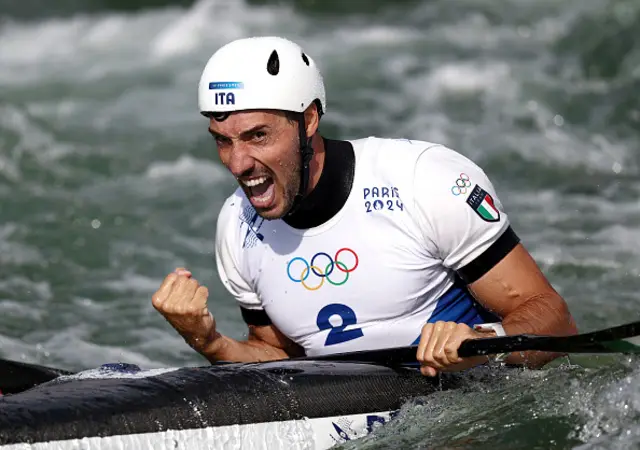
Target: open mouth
261, 191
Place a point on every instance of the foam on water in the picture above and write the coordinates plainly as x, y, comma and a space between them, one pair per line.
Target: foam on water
611, 415
90, 48
132, 283
202, 171
174, 42
72, 345
84, 48
471, 79
16, 253
100, 373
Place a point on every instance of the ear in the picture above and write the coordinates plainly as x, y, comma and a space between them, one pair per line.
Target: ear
311, 119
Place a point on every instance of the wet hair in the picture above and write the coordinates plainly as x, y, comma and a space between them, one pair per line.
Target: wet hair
218, 117
291, 116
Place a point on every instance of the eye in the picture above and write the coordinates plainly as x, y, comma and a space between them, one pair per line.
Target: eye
259, 135
221, 141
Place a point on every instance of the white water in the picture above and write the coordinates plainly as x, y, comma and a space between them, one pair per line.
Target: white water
108, 179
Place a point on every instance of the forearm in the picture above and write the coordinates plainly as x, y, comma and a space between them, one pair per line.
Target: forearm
544, 314
224, 348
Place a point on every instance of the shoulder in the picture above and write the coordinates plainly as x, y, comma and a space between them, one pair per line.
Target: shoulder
409, 152
447, 171
392, 147
452, 190
389, 157
421, 164
230, 210
230, 216
457, 205
230, 262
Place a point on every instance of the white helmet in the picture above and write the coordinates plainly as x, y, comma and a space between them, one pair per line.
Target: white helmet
260, 73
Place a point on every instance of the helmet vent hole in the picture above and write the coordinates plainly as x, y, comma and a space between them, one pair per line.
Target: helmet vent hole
305, 59
273, 65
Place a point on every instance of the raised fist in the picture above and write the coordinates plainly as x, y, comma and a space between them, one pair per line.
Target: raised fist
183, 303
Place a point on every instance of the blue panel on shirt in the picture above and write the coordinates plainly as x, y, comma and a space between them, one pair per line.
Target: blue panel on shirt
458, 305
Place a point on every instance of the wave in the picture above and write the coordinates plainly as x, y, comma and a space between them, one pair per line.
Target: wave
598, 58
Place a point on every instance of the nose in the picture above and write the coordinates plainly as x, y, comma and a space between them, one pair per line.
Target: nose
240, 161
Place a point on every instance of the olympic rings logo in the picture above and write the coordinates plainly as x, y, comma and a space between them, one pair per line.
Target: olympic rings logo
462, 183
333, 266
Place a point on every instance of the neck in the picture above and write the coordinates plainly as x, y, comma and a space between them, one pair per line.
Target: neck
317, 162
330, 180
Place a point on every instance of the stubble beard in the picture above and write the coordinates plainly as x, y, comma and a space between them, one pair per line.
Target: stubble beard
290, 188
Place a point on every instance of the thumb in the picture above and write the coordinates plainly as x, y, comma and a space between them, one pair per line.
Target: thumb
181, 271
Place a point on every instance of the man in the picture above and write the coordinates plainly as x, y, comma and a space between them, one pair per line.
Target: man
332, 246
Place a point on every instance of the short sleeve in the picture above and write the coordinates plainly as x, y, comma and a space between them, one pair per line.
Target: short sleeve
460, 213
227, 253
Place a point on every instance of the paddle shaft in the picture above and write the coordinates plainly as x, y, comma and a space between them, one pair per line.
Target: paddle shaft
611, 340
18, 376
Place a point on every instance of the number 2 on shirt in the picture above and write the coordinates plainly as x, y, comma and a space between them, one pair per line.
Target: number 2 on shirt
338, 334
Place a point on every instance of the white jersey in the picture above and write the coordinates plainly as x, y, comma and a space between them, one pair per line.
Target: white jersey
382, 267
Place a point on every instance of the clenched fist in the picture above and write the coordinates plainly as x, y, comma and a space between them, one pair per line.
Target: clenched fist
183, 302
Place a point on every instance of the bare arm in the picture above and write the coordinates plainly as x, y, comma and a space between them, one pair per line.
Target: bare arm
516, 290
183, 303
264, 343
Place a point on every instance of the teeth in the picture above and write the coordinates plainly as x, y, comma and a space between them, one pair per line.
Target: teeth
255, 181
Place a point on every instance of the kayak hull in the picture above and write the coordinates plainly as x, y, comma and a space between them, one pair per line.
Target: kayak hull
319, 433
317, 403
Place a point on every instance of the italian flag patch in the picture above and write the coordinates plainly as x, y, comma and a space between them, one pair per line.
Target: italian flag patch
482, 203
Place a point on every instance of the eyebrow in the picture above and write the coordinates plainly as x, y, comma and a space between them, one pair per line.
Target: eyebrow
245, 134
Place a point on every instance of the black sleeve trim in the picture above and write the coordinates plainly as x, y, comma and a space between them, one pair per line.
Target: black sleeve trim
491, 256
257, 317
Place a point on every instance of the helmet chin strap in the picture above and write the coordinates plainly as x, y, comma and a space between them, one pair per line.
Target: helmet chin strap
306, 153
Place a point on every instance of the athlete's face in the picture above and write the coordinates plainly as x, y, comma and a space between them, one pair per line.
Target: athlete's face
261, 149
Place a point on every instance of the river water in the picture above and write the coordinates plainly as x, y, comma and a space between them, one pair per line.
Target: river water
109, 180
